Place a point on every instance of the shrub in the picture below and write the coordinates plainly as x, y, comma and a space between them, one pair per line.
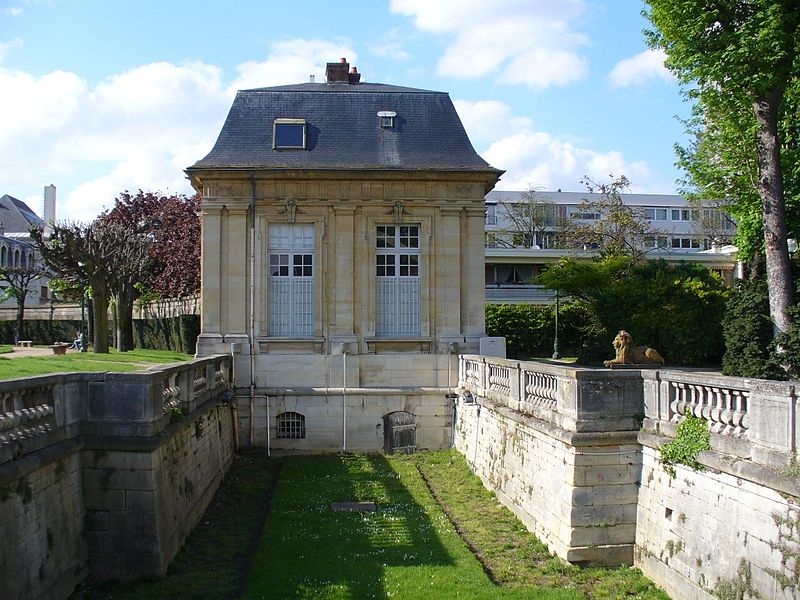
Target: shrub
677, 309
747, 329
178, 334
529, 329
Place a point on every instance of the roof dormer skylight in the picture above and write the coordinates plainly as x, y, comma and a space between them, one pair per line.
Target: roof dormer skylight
289, 134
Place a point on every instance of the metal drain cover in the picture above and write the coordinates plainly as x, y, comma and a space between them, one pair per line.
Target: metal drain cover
358, 506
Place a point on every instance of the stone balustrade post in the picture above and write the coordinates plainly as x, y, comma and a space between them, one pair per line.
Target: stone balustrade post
771, 419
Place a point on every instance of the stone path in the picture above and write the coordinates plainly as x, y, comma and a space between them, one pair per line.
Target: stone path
26, 352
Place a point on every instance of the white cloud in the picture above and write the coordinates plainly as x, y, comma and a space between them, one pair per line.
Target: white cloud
6, 46
129, 131
391, 45
526, 42
292, 61
135, 129
538, 159
488, 120
639, 70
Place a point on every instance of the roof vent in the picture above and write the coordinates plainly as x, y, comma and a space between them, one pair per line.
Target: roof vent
386, 118
338, 73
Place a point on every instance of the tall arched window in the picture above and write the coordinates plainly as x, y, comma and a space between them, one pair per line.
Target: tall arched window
3, 256
17, 257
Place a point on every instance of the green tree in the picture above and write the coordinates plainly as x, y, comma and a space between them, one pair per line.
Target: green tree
20, 283
738, 60
675, 308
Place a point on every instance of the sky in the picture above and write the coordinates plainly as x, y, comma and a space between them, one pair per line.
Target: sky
102, 96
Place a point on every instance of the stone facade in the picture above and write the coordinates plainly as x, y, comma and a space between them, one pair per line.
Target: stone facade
353, 176
559, 448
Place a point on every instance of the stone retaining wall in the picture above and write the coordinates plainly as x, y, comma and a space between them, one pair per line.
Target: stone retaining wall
107, 473
731, 529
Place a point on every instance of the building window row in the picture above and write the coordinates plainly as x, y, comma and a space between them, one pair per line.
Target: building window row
292, 280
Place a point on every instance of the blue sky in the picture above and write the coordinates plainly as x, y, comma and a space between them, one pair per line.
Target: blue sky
101, 96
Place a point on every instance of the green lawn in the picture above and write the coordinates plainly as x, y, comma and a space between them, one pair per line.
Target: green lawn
136, 360
408, 548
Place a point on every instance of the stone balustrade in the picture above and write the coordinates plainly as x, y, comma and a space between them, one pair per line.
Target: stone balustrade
748, 418
36, 412
577, 399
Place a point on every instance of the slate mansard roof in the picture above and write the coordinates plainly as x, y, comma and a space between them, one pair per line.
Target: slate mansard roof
16, 216
343, 130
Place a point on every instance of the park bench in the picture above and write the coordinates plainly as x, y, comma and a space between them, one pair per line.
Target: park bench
24, 343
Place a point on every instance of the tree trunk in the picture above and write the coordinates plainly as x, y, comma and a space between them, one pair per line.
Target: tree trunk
20, 318
124, 311
100, 305
770, 188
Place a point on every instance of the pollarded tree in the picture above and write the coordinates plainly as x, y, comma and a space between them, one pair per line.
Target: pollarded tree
739, 58
127, 266
80, 253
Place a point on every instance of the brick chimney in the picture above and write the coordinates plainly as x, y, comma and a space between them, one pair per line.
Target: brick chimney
338, 73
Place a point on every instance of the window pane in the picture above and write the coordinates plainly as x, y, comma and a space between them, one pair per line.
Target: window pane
290, 135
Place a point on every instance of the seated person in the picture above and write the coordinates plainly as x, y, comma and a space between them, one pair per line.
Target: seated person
77, 343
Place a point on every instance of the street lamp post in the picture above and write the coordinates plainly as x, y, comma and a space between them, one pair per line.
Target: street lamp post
556, 355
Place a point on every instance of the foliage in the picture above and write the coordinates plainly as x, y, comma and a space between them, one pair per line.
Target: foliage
676, 309
747, 330
621, 230
20, 282
172, 222
72, 362
178, 334
529, 329
739, 61
691, 438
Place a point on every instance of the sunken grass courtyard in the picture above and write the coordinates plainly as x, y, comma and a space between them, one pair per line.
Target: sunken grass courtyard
435, 532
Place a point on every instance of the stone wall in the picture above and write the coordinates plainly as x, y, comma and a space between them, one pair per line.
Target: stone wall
43, 553
366, 412
558, 446
107, 473
735, 524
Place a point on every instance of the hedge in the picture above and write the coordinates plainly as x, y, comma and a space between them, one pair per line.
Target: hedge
178, 334
41, 331
529, 329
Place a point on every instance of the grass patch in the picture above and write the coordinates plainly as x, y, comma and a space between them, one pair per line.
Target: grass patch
513, 555
6, 348
216, 557
136, 360
406, 548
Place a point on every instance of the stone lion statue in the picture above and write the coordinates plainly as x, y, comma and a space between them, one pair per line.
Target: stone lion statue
628, 354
